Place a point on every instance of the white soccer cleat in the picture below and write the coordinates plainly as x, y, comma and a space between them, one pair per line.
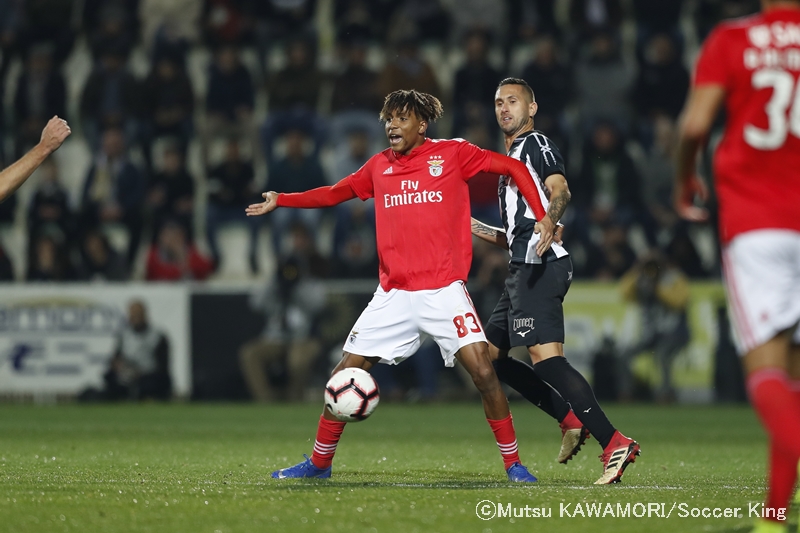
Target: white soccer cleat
571, 442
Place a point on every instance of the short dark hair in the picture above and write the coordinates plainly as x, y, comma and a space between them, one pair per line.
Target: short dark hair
521, 82
425, 106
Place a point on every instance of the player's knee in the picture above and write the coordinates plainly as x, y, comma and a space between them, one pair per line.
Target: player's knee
484, 377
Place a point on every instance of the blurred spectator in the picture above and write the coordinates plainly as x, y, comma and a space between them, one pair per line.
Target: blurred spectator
170, 193
173, 257
607, 188
472, 15
657, 16
354, 251
11, 20
49, 21
487, 275
530, 20
139, 368
709, 12
168, 103
99, 260
356, 97
475, 83
6, 268
282, 20
361, 20
110, 98
231, 188
49, 261
419, 20
589, 18
96, 12
293, 98
408, 70
551, 81
612, 258
657, 169
41, 94
230, 97
682, 253
110, 26
663, 81
603, 83
292, 303
297, 172
227, 22
113, 191
661, 292
348, 159
483, 187
170, 26
49, 211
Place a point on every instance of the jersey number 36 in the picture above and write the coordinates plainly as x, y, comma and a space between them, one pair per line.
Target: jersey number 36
784, 96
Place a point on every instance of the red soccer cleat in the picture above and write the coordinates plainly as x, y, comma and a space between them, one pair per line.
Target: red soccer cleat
619, 453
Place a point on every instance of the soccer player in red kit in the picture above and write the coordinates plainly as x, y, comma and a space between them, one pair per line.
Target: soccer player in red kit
422, 221
751, 67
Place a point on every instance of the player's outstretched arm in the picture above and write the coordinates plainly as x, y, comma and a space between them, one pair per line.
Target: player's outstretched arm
319, 197
492, 235
698, 116
15, 175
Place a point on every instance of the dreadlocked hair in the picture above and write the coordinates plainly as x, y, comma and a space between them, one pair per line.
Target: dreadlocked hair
425, 106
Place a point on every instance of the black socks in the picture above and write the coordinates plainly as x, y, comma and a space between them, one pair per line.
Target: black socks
521, 377
573, 387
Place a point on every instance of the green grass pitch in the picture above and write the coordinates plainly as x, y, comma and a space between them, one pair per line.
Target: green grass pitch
410, 468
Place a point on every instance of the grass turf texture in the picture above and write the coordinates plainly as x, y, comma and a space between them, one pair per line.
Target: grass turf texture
424, 468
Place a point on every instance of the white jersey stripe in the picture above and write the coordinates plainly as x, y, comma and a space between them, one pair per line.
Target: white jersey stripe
512, 198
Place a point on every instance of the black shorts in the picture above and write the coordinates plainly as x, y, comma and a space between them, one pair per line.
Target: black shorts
531, 311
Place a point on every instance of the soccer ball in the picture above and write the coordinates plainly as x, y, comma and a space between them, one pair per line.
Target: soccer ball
351, 395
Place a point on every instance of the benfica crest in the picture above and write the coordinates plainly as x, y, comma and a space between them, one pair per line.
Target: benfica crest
435, 167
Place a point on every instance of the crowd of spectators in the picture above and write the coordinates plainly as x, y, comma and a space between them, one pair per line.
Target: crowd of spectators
610, 77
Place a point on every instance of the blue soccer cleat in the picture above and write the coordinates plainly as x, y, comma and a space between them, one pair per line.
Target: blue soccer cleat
308, 469
518, 473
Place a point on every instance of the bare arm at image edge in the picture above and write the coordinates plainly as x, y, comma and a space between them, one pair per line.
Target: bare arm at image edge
15, 175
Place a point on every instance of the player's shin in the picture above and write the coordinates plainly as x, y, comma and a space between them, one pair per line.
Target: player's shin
506, 438
782, 478
771, 394
521, 377
573, 387
328, 434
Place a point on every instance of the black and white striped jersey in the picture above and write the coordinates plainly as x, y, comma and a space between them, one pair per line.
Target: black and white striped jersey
543, 159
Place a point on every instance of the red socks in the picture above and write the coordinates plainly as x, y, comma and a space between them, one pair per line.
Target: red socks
506, 439
782, 476
777, 404
328, 434
570, 422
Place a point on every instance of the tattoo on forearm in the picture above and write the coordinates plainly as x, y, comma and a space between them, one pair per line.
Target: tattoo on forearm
479, 228
557, 206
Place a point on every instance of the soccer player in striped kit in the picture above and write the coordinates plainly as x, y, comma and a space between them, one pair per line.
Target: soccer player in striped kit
530, 311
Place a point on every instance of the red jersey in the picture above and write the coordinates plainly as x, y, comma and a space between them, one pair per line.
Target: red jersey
422, 214
757, 165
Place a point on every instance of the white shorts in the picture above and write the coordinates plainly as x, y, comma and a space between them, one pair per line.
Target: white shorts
395, 323
762, 277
